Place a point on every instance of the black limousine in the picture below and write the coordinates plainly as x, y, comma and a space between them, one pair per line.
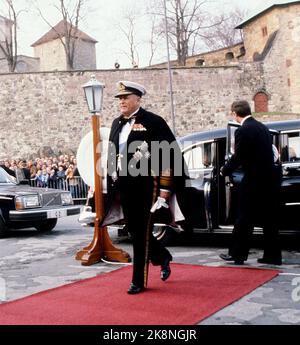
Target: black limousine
211, 198
22, 206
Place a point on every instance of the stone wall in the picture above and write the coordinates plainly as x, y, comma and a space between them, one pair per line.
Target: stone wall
213, 58
254, 39
282, 64
48, 109
217, 57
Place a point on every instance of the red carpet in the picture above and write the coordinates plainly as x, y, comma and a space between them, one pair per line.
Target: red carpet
191, 294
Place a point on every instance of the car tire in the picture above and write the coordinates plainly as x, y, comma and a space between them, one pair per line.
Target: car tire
3, 228
46, 225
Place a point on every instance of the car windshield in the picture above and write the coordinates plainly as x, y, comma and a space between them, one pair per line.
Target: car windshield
5, 178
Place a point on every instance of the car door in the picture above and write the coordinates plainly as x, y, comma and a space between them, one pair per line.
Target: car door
290, 191
200, 159
232, 183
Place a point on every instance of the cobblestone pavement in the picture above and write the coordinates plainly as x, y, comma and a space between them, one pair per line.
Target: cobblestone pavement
31, 262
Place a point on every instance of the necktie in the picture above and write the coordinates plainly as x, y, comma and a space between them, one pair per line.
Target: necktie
123, 136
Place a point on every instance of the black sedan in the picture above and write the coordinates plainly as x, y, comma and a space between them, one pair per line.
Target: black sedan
211, 198
22, 206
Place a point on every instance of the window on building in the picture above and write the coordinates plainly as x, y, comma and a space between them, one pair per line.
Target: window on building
265, 31
261, 102
200, 62
229, 56
242, 51
256, 56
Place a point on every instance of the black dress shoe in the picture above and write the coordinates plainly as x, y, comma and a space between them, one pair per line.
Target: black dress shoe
133, 289
228, 257
276, 262
165, 270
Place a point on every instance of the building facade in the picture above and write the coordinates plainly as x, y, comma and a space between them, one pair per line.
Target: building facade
272, 37
50, 51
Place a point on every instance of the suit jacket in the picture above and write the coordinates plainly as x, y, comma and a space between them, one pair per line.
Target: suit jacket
254, 154
253, 150
142, 149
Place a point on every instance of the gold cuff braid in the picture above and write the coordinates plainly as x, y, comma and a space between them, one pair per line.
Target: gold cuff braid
166, 179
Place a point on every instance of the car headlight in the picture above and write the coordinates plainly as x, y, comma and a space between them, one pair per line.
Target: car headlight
66, 199
27, 201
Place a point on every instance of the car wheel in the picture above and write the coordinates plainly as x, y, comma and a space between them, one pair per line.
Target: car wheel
46, 225
3, 228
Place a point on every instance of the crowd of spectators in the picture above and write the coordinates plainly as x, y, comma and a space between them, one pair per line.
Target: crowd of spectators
45, 171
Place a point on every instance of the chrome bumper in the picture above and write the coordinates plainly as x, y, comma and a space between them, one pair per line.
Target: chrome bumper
43, 214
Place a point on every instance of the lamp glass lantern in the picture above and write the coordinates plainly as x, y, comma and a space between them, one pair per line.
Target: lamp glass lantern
93, 91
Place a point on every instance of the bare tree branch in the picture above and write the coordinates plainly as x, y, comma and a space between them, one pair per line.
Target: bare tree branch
71, 17
187, 22
224, 34
9, 46
128, 30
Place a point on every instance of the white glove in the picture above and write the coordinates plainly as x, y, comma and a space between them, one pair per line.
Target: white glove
161, 202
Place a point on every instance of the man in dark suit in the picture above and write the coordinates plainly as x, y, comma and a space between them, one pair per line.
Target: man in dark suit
138, 176
259, 189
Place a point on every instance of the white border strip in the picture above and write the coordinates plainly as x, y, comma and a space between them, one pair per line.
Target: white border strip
289, 274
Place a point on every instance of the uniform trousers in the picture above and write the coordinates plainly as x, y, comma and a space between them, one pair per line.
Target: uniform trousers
137, 195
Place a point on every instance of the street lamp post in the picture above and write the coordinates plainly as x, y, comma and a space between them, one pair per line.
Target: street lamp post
169, 69
101, 246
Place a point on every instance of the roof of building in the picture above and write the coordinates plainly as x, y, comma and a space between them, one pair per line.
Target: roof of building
59, 31
265, 7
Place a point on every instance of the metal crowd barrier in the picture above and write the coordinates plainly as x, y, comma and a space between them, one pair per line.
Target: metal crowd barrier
76, 185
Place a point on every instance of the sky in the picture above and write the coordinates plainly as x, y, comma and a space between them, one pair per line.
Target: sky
102, 20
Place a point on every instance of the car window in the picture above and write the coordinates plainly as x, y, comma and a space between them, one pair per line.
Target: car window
5, 178
290, 151
200, 156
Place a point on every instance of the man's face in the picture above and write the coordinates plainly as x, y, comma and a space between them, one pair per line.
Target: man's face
234, 116
129, 104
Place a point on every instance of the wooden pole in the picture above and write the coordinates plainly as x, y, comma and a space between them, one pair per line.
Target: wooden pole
101, 246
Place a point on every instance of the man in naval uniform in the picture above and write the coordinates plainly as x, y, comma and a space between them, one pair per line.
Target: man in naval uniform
139, 183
